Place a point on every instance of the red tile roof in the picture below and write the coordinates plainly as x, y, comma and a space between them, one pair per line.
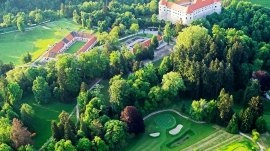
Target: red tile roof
146, 43
69, 37
55, 49
189, 8
89, 43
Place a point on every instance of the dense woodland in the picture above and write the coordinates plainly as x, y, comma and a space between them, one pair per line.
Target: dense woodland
214, 62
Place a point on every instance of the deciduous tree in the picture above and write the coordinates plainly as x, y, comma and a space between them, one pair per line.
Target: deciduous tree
134, 120
19, 134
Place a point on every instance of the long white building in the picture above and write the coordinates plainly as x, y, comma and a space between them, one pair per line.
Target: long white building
185, 11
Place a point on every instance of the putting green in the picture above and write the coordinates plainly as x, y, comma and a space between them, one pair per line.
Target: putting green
165, 121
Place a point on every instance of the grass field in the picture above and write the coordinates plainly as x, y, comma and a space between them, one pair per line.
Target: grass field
36, 41
189, 134
244, 145
75, 47
44, 114
221, 140
265, 3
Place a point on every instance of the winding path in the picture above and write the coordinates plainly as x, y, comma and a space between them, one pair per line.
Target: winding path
172, 110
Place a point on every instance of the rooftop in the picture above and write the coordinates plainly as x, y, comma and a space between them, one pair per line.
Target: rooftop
187, 6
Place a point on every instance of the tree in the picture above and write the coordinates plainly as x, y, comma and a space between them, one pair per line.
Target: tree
154, 19
115, 133
134, 120
119, 92
256, 106
246, 120
134, 28
27, 148
99, 144
233, 126
20, 23
41, 90
19, 134
5, 147
264, 79
26, 58
27, 113
224, 103
14, 93
5, 130
165, 66
57, 133
76, 17
154, 42
38, 17
64, 145
260, 124
84, 144
167, 33
255, 135
252, 90
153, 6
69, 133
173, 83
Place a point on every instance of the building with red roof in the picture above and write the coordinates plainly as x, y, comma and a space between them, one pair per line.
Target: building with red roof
185, 11
70, 39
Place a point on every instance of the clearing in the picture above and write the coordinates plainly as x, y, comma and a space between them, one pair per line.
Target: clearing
44, 114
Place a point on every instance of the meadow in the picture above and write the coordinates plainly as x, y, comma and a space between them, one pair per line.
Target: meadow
44, 114
35, 41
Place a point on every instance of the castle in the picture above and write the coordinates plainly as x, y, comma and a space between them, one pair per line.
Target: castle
185, 11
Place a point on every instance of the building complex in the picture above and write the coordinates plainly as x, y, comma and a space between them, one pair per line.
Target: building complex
185, 11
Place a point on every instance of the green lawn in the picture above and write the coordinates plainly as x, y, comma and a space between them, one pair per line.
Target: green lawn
75, 47
244, 145
264, 3
36, 41
189, 134
44, 114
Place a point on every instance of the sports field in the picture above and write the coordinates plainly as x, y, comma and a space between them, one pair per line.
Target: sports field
163, 123
44, 114
75, 47
265, 3
36, 41
192, 136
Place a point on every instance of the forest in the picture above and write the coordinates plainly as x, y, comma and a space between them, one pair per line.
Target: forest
214, 62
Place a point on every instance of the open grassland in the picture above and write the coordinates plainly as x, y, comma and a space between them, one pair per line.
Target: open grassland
44, 114
189, 134
265, 3
35, 41
75, 47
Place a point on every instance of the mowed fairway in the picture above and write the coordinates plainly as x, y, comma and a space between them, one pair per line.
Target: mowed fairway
44, 114
75, 47
189, 134
265, 3
36, 41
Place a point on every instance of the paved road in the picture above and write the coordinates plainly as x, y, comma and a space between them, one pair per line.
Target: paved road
160, 53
